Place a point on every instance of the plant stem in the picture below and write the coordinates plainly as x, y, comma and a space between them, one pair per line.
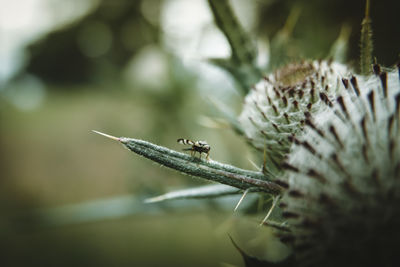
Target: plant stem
366, 45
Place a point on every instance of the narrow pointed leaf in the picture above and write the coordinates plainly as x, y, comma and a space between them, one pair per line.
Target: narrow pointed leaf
277, 225
207, 169
228, 114
245, 75
243, 49
281, 42
366, 45
208, 191
241, 65
252, 261
340, 47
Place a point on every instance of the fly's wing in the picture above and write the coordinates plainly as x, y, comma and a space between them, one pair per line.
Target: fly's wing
186, 142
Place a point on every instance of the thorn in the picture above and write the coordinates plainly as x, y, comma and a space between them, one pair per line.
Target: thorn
254, 165
364, 129
275, 200
372, 103
345, 83
376, 68
335, 134
296, 105
285, 101
289, 167
154, 199
367, 5
343, 106
275, 110
354, 83
286, 117
241, 199
383, 77
314, 174
264, 166
108, 136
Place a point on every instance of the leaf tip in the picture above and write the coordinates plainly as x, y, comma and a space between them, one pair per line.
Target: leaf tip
107, 135
153, 199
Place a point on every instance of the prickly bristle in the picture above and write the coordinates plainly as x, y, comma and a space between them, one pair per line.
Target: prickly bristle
275, 109
343, 178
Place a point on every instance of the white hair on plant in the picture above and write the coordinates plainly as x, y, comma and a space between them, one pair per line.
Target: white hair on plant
343, 177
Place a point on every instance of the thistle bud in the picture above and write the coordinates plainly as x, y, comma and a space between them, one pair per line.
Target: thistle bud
278, 107
343, 176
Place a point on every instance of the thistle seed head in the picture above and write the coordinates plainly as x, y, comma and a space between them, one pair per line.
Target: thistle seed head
343, 176
278, 106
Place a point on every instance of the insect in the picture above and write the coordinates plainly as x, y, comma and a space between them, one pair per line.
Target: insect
197, 146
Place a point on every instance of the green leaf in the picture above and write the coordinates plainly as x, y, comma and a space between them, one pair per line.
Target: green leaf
227, 114
244, 74
366, 45
281, 42
251, 261
207, 169
242, 64
207, 191
91, 211
243, 49
340, 47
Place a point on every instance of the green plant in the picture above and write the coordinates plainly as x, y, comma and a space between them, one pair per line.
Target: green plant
331, 147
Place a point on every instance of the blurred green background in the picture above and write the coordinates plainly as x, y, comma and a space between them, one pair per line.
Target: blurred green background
138, 69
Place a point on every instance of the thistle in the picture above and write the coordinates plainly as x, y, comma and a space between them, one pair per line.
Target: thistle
331, 145
341, 181
277, 106
343, 178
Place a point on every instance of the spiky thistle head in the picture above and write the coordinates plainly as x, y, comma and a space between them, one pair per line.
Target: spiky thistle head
343, 178
276, 108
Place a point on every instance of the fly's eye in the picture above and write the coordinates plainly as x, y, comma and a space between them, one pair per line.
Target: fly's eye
202, 143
